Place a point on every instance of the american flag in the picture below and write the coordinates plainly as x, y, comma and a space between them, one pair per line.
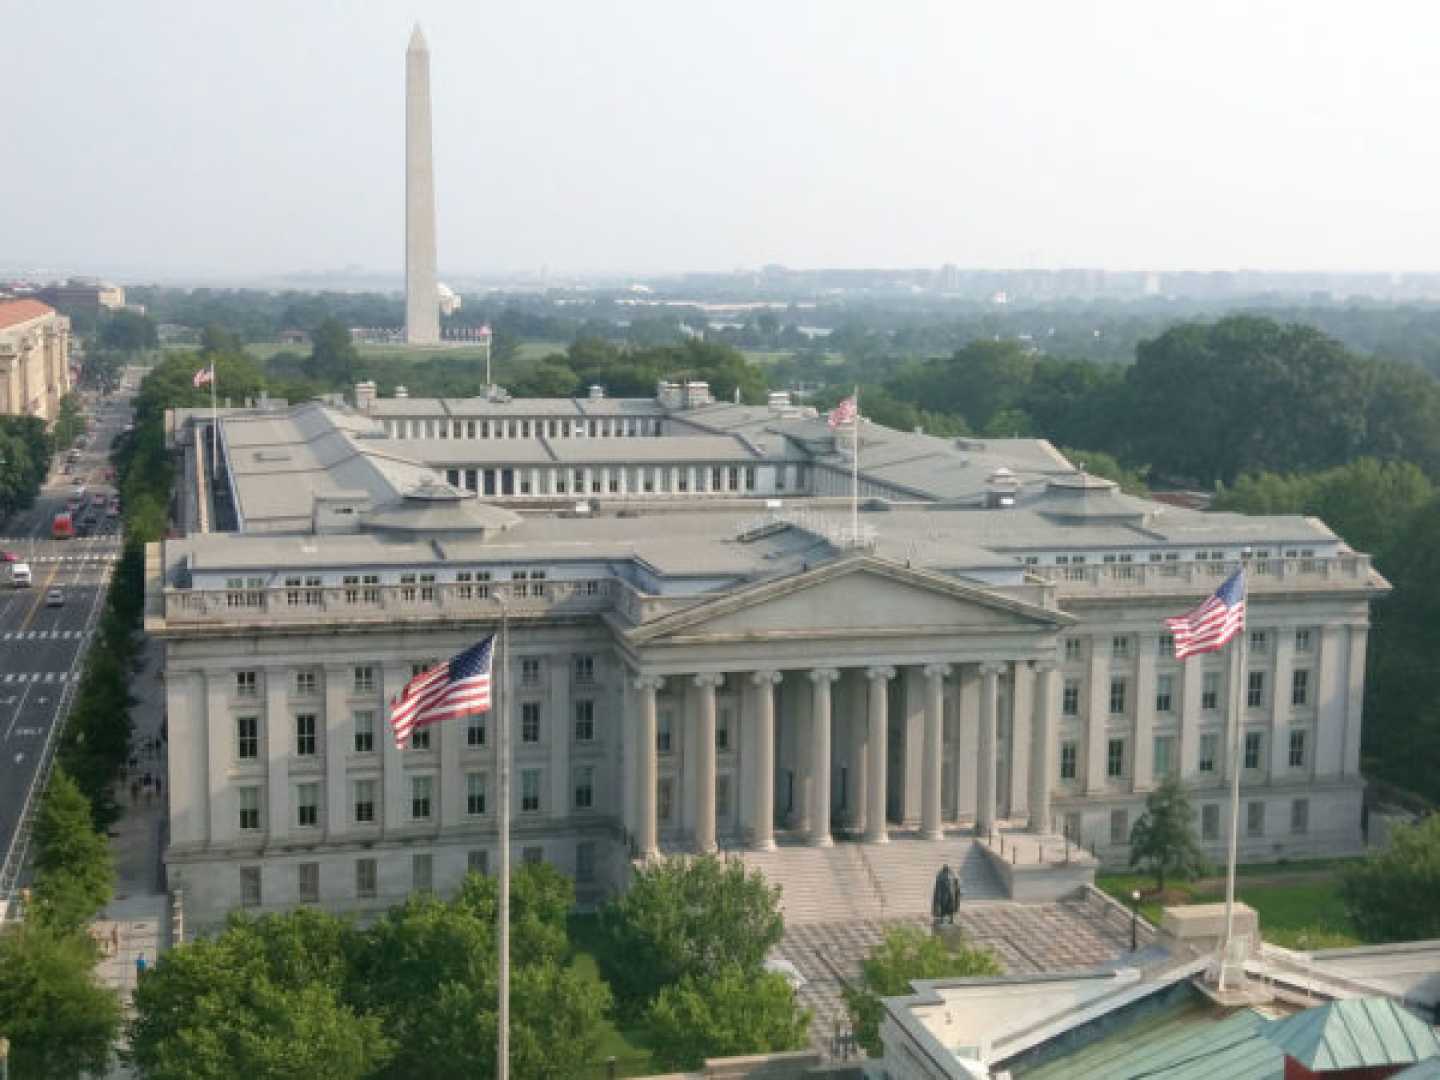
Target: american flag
457, 688
844, 413
1208, 627
204, 376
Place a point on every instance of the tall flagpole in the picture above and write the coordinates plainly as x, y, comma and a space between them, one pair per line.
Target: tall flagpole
855, 474
214, 426
1240, 652
502, 749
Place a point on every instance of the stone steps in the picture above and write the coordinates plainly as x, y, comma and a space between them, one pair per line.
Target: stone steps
852, 882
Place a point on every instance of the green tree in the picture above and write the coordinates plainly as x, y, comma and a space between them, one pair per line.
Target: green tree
332, 355
264, 998
1163, 840
694, 917
74, 872
1108, 466
907, 953
726, 1013
1391, 895
128, 331
60, 1021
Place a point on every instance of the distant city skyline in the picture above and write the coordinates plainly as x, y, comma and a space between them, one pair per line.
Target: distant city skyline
659, 139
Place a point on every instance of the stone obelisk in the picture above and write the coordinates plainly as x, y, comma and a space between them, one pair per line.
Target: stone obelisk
422, 302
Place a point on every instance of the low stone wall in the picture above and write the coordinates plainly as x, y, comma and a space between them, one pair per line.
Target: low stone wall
1030, 870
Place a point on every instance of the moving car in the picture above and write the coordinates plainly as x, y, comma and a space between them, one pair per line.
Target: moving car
20, 575
55, 598
63, 527
9, 556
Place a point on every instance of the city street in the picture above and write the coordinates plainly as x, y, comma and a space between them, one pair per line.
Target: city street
42, 647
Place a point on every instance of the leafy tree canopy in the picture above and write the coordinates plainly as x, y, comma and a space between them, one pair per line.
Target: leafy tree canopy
728, 1012
60, 1021
1391, 895
1163, 840
74, 872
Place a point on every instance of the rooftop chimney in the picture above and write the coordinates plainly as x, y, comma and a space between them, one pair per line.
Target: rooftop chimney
364, 394
401, 392
597, 392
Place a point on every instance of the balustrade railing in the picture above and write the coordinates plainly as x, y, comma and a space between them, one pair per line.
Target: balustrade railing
1170, 576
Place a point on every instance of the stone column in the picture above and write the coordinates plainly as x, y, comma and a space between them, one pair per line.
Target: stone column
1096, 713
1190, 676
216, 798
705, 762
1042, 739
763, 835
1330, 701
875, 779
1142, 776
985, 779
647, 772
1354, 697
1280, 702
934, 760
337, 747
820, 757
394, 812
279, 745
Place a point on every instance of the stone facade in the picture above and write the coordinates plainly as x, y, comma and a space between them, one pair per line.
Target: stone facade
34, 359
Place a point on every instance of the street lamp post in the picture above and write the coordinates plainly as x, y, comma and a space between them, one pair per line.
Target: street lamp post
4, 1058
1134, 921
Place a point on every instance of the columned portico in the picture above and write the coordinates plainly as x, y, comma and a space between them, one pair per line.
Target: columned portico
822, 678
877, 747
763, 835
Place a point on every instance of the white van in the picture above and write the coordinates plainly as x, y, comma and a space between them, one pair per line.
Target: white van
20, 575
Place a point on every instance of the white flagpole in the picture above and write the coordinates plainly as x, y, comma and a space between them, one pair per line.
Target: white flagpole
855, 474
502, 750
1241, 653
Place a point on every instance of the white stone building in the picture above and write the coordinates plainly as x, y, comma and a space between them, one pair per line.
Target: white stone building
703, 653
34, 359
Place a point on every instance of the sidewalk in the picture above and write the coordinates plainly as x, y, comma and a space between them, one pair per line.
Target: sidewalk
138, 919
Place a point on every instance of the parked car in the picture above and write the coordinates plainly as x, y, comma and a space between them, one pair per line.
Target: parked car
55, 598
9, 556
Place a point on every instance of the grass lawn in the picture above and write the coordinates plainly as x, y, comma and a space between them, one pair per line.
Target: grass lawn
1304, 914
529, 352
626, 1045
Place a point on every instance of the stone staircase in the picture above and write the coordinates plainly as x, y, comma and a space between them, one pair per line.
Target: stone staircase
851, 882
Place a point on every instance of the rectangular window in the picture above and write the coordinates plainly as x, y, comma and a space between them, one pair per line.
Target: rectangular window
422, 872
1299, 687
584, 787
477, 862
584, 669
1210, 691
1302, 641
1300, 816
422, 789
364, 802
1255, 819
1072, 650
364, 680
532, 856
529, 791
1210, 822
664, 799
249, 886
307, 882
245, 684
664, 723
1164, 693
305, 734
1297, 749
530, 671
530, 722
1259, 641
585, 861
305, 683
307, 805
1209, 751
247, 737
475, 731
475, 793
1069, 759
420, 739
724, 717
722, 796
584, 721
366, 877
1117, 695
1120, 646
1119, 826
1254, 744
249, 808
1164, 755
364, 721
1255, 690
1115, 759
1167, 646
1070, 698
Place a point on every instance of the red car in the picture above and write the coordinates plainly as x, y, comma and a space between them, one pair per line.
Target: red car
9, 556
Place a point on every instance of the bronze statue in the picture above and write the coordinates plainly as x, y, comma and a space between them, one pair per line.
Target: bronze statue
945, 900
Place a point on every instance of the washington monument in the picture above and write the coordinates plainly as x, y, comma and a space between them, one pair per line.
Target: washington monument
422, 301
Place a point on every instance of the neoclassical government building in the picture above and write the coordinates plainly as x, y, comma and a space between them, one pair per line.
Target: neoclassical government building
706, 650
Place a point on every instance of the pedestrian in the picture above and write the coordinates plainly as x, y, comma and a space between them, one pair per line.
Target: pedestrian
114, 938
139, 965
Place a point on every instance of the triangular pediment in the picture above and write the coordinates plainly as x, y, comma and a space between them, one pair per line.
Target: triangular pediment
858, 595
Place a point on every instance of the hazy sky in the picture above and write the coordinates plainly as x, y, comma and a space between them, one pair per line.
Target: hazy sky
161, 136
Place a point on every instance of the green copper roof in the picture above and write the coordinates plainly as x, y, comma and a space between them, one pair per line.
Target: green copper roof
1354, 1034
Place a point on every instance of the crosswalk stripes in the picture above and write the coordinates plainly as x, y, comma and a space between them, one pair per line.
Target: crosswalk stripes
46, 635
12, 677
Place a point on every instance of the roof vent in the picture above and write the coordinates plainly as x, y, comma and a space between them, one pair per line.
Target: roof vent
597, 392
1001, 487
401, 392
